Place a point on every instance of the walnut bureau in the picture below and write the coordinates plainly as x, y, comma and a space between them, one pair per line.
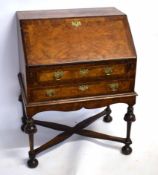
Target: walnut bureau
70, 59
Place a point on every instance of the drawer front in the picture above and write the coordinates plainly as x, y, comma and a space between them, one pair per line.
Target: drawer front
81, 90
62, 74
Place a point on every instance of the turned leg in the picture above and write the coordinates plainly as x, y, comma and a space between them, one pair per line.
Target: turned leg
30, 129
24, 118
107, 118
129, 118
20, 98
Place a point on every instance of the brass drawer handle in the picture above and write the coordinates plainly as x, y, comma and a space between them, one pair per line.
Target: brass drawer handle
50, 92
58, 75
84, 71
114, 86
83, 87
76, 23
108, 70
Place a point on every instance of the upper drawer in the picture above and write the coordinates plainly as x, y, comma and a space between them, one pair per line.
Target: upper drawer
51, 75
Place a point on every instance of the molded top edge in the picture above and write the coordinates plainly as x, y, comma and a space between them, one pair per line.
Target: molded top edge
63, 13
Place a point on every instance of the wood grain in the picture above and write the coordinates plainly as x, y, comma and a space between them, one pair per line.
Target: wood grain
73, 59
80, 90
49, 42
44, 75
78, 103
56, 41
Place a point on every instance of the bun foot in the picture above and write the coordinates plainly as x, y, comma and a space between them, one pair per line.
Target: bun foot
107, 118
32, 163
126, 150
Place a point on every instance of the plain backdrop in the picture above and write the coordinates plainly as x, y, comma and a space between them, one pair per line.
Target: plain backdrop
80, 155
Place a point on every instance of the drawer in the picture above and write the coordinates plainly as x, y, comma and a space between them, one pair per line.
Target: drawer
80, 90
62, 74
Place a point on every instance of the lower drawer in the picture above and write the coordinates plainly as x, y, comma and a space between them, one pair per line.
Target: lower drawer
80, 90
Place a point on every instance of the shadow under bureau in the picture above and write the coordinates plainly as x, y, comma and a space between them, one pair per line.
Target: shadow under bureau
70, 59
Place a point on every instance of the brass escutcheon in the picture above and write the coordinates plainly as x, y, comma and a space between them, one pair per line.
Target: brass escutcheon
50, 92
83, 71
83, 87
114, 86
76, 23
108, 70
58, 75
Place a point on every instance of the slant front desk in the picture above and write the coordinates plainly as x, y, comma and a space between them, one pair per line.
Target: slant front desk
73, 59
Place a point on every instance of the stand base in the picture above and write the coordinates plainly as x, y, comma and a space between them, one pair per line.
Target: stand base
68, 131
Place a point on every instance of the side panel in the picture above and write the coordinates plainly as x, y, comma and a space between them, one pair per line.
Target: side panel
22, 60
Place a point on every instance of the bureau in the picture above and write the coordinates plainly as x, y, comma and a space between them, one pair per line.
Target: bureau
73, 59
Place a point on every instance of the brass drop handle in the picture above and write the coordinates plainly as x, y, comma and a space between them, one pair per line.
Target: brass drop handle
114, 86
83, 87
108, 70
50, 92
76, 23
84, 71
58, 74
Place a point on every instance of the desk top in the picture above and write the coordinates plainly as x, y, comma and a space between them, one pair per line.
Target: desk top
66, 13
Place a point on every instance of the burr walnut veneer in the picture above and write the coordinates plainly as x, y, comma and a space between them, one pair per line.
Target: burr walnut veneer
70, 59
